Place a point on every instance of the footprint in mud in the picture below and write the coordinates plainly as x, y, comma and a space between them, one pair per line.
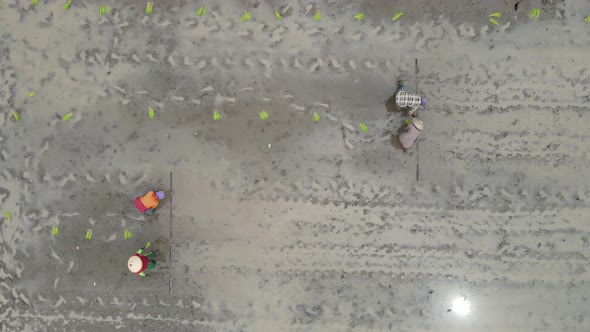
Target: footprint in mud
4, 194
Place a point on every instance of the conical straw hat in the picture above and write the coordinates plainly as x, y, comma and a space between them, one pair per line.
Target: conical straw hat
134, 264
418, 123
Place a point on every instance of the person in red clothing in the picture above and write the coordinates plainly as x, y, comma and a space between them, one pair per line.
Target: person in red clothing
149, 202
139, 263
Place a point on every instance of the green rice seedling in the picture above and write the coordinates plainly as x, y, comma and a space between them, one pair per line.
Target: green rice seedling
104, 9
397, 15
68, 116
216, 115
316, 117
363, 126
317, 15
246, 17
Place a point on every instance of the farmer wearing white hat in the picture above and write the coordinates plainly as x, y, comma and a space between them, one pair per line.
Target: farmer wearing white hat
403, 99
139, 263
409, 135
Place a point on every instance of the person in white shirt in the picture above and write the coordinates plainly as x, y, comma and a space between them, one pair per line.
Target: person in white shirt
404, 100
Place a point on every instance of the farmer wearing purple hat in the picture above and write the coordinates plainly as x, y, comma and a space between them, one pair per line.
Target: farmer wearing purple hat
149, 202
403, 99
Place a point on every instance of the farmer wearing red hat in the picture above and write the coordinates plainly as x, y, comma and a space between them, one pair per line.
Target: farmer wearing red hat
149, 202
139, 263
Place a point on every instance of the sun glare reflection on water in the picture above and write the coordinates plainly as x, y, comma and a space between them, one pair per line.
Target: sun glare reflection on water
460, 306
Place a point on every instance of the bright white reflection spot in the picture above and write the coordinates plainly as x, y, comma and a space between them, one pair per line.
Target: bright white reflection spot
460, 306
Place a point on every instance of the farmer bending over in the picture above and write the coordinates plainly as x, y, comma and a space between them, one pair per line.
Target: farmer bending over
403, 99
149, 202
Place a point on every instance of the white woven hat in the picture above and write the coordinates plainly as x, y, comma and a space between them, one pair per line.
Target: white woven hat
134, 264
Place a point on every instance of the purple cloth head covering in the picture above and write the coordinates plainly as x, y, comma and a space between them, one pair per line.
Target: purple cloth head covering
160, 194
424, 101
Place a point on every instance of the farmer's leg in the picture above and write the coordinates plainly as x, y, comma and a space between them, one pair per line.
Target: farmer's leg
151, 255
151, 265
